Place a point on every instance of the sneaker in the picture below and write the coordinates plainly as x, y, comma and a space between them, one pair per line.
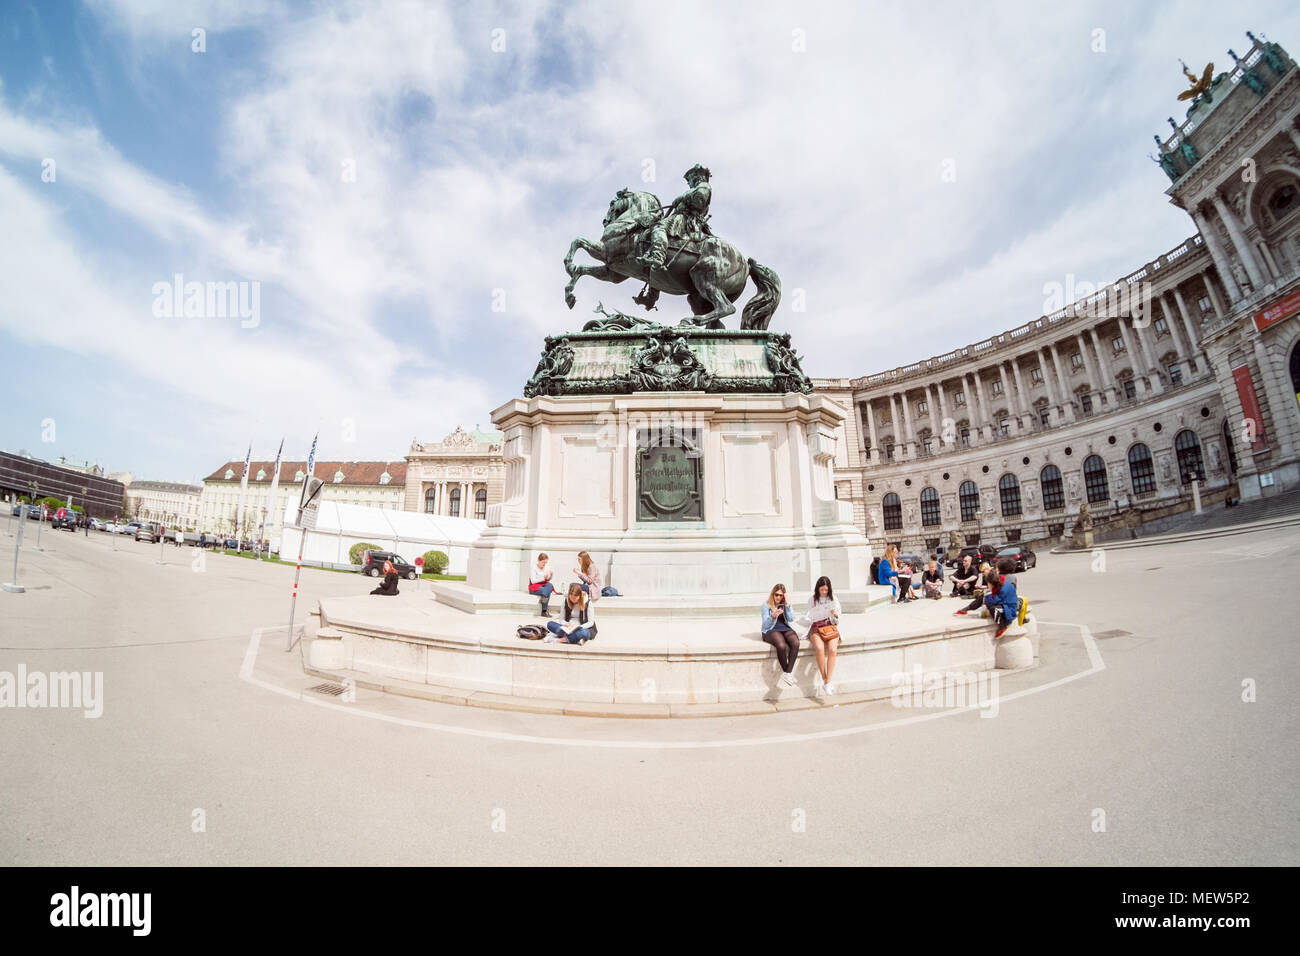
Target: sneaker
828, 689
1002, 630
788, 678
962, 611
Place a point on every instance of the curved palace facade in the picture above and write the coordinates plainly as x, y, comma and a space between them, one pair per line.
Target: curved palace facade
1185, 371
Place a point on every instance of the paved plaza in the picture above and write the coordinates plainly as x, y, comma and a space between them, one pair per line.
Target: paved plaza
1130, 743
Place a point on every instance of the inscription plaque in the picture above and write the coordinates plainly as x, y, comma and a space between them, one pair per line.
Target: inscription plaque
669, 475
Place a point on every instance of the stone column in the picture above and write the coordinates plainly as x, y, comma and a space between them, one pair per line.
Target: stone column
1136, 358
943, 411
907, 420
1026, 405
1103, 363
1050, 381
896, 423
1190, 328
1176, 333
871, 427
1244, 252
1220, 310
1220, 258
1066, 412
986, 413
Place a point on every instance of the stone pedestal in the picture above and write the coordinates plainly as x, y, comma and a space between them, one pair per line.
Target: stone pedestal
673, 494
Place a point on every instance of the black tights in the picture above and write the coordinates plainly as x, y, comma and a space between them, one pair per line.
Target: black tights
786, 643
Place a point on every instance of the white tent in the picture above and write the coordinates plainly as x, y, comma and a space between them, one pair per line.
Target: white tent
408, 533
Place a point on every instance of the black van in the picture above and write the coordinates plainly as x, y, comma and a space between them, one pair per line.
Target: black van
372, 563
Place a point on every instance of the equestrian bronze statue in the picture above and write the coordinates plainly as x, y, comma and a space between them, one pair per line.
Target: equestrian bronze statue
673, 250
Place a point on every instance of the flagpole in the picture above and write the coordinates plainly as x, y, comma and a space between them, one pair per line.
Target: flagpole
302, 538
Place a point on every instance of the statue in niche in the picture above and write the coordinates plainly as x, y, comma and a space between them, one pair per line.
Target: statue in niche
911, 515
1239, 273
948, 510
1073, 484
1165, 471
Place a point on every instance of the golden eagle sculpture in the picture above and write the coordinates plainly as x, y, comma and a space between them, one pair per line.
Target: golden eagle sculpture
1198, 86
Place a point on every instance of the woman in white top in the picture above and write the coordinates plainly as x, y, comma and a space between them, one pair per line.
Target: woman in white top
823, 618
539, 584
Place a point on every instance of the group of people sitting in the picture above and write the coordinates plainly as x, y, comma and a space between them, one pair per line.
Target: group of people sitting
822, 619
579, 611
987, 586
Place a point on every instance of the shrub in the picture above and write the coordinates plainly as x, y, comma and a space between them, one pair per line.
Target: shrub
435, 562
354, 552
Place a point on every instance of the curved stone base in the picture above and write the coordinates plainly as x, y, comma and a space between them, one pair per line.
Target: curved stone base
646, 660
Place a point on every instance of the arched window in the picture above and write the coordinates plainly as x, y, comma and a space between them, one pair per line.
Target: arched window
893, 509
1188, 448
455, 503
929, 508
1053, 492
1141, 469
969, 496
1009, 492
430, 500
480, 503
1094, 477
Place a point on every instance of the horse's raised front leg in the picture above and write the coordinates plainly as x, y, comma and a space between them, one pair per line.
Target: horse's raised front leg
603, 273
594, 249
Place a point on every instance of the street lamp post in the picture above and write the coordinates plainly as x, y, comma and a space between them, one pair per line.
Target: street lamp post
13, 586
40, 515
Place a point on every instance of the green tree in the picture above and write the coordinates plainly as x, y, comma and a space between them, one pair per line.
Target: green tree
435, 562
354, 552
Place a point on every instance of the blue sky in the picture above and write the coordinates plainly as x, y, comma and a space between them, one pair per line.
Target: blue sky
485, 137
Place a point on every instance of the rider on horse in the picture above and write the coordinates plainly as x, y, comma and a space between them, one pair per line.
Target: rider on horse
685, 219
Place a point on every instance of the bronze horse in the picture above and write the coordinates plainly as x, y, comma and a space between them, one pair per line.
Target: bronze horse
709, 271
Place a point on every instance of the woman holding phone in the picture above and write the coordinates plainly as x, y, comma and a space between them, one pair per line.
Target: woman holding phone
778, 617
823, 619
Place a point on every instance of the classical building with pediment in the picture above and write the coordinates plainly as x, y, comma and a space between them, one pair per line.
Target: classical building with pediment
459, 476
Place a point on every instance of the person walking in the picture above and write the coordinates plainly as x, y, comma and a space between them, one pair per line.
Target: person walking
777, 618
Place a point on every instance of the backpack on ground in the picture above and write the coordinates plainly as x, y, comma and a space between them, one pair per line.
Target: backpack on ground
608, 591
530, 632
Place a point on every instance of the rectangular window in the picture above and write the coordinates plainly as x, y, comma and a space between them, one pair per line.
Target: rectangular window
1203, 303
1044, 416
1036, 375
1175, 374
1162, 328
1076, 361
997, 386
965, 437
889, 452
922, 407
959, 398
1055, 530
1130, 388
927, 446
1117, 344
1004, 427
1085, 401
1013, 535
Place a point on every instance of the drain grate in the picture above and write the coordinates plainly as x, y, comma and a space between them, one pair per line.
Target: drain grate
333, 690
1103, 635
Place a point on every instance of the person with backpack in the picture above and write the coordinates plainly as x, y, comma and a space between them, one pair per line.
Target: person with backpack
579, 624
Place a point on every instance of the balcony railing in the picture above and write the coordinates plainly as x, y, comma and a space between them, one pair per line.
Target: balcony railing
1085, 306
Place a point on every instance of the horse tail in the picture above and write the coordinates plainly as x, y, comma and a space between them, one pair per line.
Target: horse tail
759, 309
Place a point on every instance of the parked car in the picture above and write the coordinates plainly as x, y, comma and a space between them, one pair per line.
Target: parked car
150, 532
65, 518
1024, 557
372, 563
980, 553
96, 524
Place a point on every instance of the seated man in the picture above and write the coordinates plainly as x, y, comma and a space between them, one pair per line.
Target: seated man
964, 578
932, 581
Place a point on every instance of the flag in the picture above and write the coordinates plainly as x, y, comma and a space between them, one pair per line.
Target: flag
311, 456
243, 491
270, 498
